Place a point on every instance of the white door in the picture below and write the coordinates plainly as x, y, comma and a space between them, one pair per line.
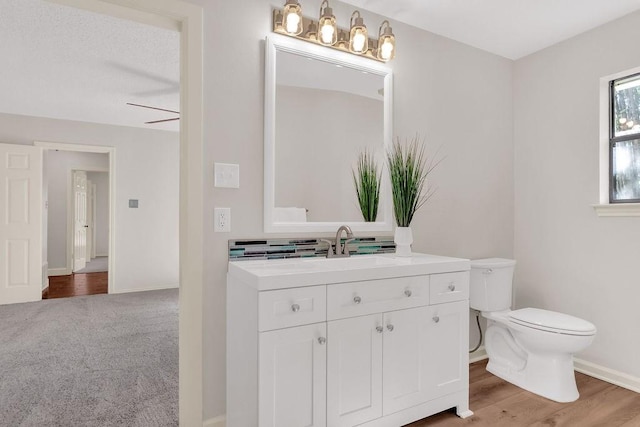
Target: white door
292, 385
354, 371
406, 358
79, 220
20, 223
449, 364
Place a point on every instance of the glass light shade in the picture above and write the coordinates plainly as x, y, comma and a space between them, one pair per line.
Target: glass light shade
386, 48
386, 43
358, 36
292, 20
327, 25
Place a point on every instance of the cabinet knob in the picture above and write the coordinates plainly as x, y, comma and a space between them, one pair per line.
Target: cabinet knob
379, 329
390, 327
408, 292
357, 300
436, 319
322, 340
295, 308
452, 287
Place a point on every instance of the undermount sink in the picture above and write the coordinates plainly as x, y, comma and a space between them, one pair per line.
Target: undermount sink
362, 261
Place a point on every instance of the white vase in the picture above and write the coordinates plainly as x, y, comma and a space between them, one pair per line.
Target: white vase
403, 239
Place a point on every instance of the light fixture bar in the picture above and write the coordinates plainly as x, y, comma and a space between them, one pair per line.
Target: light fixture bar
341, 44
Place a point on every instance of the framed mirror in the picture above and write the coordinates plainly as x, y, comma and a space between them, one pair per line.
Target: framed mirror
323, 108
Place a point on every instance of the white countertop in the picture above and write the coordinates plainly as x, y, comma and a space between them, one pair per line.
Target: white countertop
295, 272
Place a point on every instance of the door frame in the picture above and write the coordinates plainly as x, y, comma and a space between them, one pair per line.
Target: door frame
187, 18
95, 149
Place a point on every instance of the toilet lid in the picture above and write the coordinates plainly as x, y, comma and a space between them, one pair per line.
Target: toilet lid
552, 321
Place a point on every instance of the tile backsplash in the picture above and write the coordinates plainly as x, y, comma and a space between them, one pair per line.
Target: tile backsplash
303, 247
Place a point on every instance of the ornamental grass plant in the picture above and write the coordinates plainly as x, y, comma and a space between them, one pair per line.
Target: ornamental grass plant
367, 180
408, 171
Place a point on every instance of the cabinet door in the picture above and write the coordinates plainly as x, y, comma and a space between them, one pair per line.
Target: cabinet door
292, 386
354, 370
406, 358
449, 359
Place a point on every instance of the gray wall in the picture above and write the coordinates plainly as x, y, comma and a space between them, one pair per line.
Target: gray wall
569, 259
458, 97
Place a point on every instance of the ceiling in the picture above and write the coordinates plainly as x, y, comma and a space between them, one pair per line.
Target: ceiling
71, 64
65, 63
509, 28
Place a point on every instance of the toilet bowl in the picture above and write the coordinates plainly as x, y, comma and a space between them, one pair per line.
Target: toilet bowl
529, 347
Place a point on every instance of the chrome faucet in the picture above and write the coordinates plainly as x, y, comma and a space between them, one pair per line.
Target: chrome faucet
340, 250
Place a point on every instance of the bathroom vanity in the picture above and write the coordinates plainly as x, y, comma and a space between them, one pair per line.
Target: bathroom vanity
371, 340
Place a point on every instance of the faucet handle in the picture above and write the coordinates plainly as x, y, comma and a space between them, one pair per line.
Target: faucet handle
330, 251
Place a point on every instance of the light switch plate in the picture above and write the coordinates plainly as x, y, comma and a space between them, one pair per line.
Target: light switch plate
226, 175
222, 220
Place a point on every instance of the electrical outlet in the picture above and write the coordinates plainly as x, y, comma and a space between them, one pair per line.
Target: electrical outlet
222, 218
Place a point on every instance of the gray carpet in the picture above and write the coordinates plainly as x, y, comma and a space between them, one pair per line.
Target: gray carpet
96, 265
101, 360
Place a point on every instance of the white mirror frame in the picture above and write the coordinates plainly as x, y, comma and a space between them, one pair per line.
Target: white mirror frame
274, 43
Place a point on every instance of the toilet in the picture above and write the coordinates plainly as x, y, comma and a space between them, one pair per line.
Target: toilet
529, 347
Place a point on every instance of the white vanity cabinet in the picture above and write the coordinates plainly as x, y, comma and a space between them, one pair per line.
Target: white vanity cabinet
337, 351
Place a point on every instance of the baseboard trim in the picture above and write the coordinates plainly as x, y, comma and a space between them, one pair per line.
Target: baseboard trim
609, 375
150, 288
101, 255
215, 422
478, 355
58, 272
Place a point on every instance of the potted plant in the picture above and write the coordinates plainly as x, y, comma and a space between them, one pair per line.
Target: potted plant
408, 170
367, 181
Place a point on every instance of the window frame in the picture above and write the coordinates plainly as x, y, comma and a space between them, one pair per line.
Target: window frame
615, 139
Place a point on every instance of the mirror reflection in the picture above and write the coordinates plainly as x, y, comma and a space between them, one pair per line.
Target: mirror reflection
325, 115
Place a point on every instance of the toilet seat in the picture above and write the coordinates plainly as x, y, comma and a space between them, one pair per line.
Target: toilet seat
551, 321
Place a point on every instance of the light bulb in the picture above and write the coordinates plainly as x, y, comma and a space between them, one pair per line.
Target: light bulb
358, 42
326, 33
386, 50
293, 20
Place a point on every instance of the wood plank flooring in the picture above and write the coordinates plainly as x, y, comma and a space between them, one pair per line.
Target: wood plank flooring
497, 403
76, 285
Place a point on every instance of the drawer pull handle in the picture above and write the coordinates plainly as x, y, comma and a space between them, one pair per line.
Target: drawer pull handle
357, 300
295, 308
452, 287
322, 340
436, 319
379, 329
408, 292
390, 327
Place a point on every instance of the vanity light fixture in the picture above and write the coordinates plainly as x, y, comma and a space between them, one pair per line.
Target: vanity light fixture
289, 21
358, 36
327, 25
292, 22
386, 42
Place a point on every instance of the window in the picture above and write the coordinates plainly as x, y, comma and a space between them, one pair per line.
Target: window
624, 140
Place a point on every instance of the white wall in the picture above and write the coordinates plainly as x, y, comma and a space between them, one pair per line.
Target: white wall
569, 259
147, 168
101, 180
59, 166
459, 97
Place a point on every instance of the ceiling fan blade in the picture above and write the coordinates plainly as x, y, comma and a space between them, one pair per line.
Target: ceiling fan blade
153, 108
161, 121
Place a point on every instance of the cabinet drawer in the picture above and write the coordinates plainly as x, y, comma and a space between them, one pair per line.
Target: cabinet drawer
376, 296
449, 287
291, 307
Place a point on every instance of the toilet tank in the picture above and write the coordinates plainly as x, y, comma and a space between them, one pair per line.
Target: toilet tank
491, 284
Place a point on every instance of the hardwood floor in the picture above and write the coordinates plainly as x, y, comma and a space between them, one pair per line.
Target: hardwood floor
76, 285
497, 403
